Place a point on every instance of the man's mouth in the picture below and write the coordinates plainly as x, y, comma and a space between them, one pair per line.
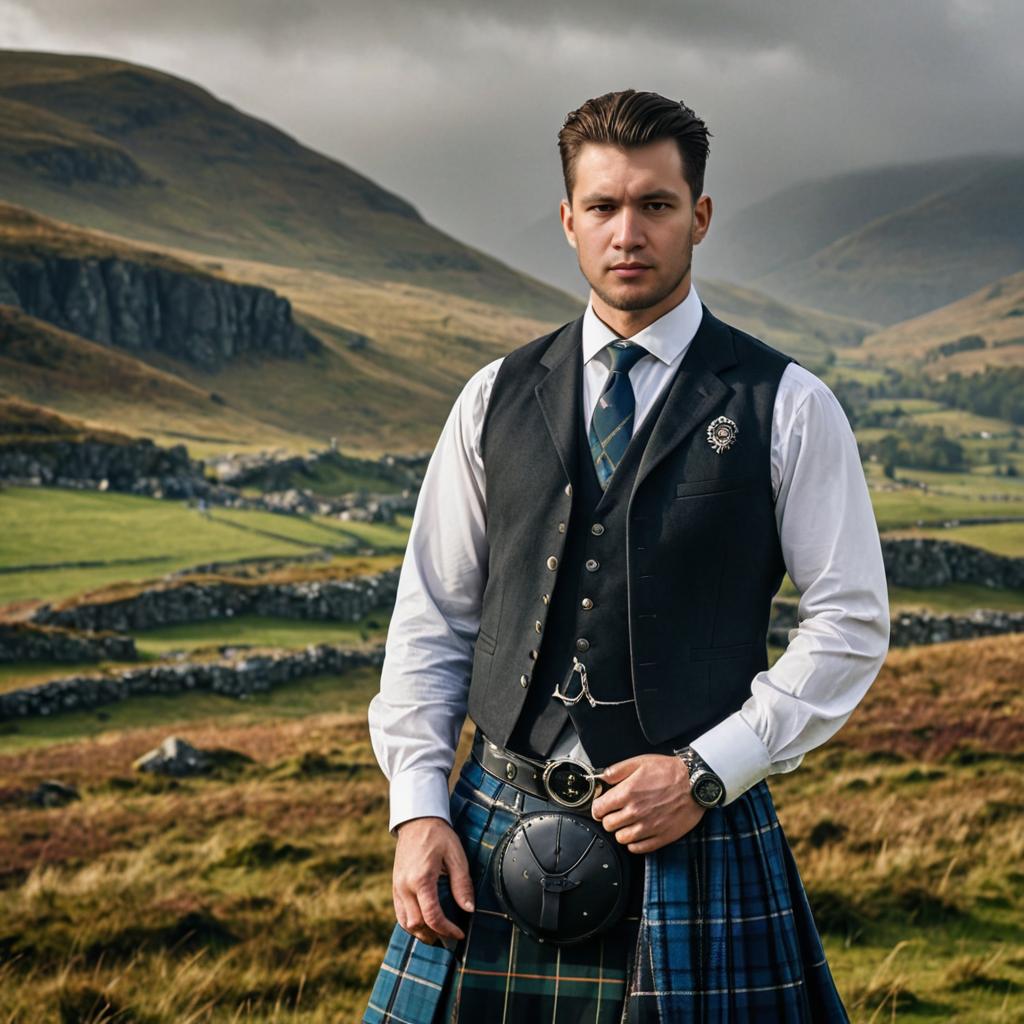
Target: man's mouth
629, 270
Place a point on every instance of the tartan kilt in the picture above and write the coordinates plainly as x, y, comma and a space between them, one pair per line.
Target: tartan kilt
726, 935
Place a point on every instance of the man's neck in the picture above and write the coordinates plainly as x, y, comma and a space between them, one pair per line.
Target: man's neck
627, 322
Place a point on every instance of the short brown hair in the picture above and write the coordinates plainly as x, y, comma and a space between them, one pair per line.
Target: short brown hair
630, 118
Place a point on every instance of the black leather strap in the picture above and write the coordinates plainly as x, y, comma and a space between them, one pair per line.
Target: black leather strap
521, 772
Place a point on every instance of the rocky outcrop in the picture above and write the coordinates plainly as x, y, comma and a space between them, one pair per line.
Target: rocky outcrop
231, 675
172, 603
198, 318
91, 164
914, 627
28, 641
924, 562
174, 756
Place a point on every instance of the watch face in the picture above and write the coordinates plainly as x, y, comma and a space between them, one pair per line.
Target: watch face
708, 791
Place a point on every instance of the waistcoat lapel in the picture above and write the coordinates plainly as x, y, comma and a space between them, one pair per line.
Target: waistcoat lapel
694, 392
558, 393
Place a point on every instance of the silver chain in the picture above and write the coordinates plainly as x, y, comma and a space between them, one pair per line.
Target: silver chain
578, 666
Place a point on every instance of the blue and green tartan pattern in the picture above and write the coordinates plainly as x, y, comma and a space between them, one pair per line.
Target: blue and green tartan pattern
611, 425
727, 936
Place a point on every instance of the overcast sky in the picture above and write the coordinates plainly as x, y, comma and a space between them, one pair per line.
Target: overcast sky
455, 104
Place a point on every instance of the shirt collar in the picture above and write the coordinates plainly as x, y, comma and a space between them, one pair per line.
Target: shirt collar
667, 338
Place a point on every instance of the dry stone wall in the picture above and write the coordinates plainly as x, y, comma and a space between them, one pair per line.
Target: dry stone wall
321, 600
27, 641
925, 562
914, 627
233, 676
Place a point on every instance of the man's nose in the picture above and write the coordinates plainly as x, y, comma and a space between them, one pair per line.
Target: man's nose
629, 231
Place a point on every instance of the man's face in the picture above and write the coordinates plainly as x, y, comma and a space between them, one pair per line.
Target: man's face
634, 225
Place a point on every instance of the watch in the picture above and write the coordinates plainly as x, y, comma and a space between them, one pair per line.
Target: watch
705, 786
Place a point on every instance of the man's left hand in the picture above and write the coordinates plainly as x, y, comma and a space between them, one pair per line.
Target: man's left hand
649, 803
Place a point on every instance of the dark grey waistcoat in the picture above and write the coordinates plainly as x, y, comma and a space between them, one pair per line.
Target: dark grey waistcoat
661, 585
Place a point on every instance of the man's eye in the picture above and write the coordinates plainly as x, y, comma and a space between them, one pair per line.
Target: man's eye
602, 207
657, 207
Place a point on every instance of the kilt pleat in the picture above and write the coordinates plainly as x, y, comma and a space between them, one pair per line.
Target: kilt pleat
727, 936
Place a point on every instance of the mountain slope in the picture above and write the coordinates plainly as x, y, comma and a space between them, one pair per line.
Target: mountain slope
111, 390
994, 314
884, 244
388, 361
111, 145
796, 222
918, 258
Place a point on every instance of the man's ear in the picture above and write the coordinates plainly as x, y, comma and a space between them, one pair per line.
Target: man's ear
565, 212
701, 218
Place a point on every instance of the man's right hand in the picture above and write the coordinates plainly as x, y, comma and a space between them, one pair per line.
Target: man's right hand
428, 848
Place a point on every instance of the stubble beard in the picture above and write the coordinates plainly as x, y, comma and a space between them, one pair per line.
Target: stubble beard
640, 302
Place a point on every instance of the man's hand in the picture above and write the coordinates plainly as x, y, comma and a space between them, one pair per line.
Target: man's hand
428, 848
649, 803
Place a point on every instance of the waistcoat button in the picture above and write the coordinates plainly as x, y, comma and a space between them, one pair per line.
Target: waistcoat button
597, 529
561, 527
545, 598
538, 625
568, 489
533, 655
552, 562
524, 681
583, 644
593, 565
587, 603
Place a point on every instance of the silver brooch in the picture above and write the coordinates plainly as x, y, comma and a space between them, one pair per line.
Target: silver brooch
722, 434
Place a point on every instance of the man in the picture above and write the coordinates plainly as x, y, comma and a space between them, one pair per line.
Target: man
602, 526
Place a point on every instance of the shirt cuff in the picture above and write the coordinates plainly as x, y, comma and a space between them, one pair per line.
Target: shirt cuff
419, 793
735, 753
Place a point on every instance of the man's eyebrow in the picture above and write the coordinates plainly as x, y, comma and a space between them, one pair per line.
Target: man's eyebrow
661, 193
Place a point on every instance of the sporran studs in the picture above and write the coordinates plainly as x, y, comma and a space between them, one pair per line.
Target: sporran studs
722, 434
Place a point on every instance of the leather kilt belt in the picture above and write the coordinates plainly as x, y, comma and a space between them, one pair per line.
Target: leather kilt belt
557, 873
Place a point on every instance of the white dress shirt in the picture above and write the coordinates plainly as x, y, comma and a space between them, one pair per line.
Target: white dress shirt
829, 541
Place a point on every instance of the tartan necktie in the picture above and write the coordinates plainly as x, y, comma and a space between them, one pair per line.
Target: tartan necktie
611, 425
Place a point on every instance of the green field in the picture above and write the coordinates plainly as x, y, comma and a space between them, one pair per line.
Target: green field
1000, 538
128, 538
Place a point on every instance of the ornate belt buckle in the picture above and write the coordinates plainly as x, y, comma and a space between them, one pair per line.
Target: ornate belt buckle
568, 782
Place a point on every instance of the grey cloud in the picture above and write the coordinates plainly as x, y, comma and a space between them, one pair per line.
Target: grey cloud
455, 103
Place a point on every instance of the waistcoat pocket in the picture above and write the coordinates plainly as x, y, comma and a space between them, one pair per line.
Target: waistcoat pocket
694, 487
722, 653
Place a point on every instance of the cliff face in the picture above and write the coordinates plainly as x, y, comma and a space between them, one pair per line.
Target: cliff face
201, 320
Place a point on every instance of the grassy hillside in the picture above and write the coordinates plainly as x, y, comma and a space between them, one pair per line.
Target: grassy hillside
111, 390
806, 334
262, 893
112, 145
994, 313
